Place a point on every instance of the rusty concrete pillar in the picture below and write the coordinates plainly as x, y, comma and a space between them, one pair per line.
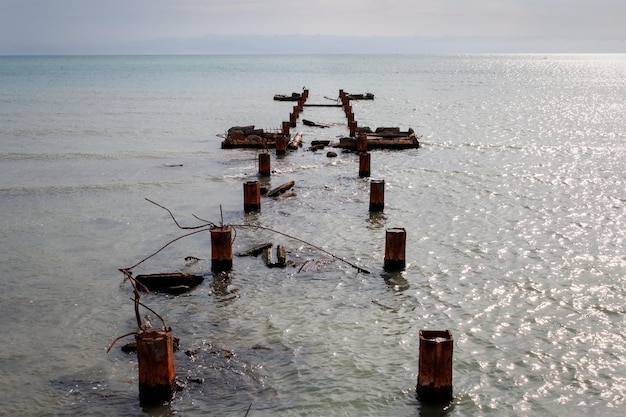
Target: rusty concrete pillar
352, 127
252, 196
155, 358
265, 164
377, 195
434, 379
364, 164
281, 145
361, 142
221, 248
395, 249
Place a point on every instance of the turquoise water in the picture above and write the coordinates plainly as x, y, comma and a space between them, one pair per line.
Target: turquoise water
513, 205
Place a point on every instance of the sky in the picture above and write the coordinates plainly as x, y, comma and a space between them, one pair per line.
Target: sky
310, 26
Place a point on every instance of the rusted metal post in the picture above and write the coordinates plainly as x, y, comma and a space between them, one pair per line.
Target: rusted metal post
377, 195
292, 119
434, 378
155, 358
345, 102
281, 145
296, 110
264, 164
364, 164
395, 249
251, 196
352, 126
221, 248
305, 94
286, 128
361, 142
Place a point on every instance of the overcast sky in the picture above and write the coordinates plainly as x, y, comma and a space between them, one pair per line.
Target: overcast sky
208, 26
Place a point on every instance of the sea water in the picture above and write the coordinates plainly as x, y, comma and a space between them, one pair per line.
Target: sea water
513, 207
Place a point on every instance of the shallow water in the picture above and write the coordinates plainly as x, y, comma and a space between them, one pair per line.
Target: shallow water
513, 205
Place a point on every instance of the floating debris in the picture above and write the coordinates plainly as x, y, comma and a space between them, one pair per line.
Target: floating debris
292, 97
169, 282
281, 189
296, 142
281, 257
313, 124
382, 138
366, 96
256, 250
250, 137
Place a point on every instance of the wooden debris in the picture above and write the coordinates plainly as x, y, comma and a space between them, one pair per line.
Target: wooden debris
383, 138
250, 137
281, 256
316, 145
292, 97
314, 124
169, 282
296, 142
286, 195
366, 96
256, 250
281, 189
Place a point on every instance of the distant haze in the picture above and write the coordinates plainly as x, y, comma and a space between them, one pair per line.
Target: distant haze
313, 26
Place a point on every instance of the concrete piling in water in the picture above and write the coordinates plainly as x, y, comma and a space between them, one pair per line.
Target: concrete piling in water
364, 164
434, 379
352, 128
377, 195
345, 101
251, 196
395, 249
265, 164
361, 142
281, 145
155, 357
221, 248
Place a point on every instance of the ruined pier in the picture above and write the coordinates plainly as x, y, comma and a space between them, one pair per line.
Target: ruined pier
251, 137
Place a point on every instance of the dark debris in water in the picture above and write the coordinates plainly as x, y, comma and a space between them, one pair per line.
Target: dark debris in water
211, 371
207, 373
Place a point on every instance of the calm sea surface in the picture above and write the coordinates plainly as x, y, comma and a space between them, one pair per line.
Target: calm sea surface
514, 208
